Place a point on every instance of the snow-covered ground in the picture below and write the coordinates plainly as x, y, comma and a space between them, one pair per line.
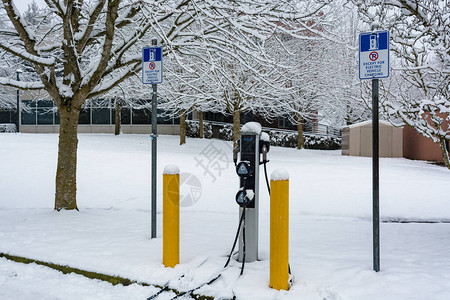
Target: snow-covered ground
330, 222
20, 281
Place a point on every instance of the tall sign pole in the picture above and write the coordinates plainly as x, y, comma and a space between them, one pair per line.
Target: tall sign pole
18, 71
374, 64
375, 174
152, 74
154, 138
375, 178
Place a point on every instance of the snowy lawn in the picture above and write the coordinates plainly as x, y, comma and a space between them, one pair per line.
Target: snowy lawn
330, 222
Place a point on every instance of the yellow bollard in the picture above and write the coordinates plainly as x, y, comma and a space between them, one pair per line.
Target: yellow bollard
171, 216
279, 230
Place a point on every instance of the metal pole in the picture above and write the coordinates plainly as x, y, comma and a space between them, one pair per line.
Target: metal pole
154, 137
375, 174
375, 178
18, 103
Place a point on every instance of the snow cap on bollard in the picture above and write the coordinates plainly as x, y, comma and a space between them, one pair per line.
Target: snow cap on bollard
279, 174
171, 170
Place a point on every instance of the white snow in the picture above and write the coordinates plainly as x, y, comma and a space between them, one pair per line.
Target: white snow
171, 170
330, 222
381, 122
251, 127
21, 84
32, 58
375, 24
38, 282
279, 174
265, 137
250, 194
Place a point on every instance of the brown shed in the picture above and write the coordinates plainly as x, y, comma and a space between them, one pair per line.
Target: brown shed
417, 146
357, 139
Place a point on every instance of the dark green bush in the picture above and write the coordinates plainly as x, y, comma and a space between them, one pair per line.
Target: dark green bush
277, 137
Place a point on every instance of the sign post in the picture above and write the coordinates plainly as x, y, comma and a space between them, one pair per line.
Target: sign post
152, 74
374, 64
18, 71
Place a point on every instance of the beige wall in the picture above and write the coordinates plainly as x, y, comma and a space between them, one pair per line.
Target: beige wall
360, 140
138, 129
39, 128
345, 141
355, 141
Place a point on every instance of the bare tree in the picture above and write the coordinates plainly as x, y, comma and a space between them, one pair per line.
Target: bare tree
92, 46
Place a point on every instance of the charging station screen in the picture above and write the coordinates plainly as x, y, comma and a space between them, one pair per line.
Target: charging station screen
248, 144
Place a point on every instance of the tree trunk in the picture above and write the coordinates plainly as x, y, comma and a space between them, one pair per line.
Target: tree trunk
117, 117
200, 124
444, 149
182, 127
66, 172
300, 139
236, 126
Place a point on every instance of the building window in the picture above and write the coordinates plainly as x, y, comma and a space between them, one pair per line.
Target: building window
101, 116
57, 118
125, 115
161, 119
289, 124
29, 113
85, 116
101, 111
142, 116
93, 112
8, 116
45, 112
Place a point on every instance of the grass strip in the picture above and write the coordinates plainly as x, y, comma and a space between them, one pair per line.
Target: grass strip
114, 280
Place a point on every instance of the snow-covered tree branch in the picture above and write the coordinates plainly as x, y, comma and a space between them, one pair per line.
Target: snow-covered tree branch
419, 41
82, 48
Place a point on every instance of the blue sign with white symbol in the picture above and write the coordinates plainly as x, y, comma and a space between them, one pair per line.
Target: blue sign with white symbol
152, 65
374, 55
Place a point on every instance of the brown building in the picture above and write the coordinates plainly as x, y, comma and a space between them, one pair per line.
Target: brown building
417, 146
394, 142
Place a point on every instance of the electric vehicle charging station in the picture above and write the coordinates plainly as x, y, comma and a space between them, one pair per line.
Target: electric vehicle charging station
250, 147
252, 144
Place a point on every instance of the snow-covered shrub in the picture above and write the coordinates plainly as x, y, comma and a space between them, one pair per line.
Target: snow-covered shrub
289, 139
193, 127
207, 130
225, 132
7, 127
322, 142
283, 138
277, 138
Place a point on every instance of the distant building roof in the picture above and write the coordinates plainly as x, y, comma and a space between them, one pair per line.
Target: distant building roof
369, 122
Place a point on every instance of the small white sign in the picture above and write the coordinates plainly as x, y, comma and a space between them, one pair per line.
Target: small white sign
152, 67
374, 55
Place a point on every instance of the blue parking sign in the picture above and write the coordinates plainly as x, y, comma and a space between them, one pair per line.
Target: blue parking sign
152, 65
374, 55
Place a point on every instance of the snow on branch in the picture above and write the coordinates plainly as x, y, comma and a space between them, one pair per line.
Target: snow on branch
21, 84
22, 53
